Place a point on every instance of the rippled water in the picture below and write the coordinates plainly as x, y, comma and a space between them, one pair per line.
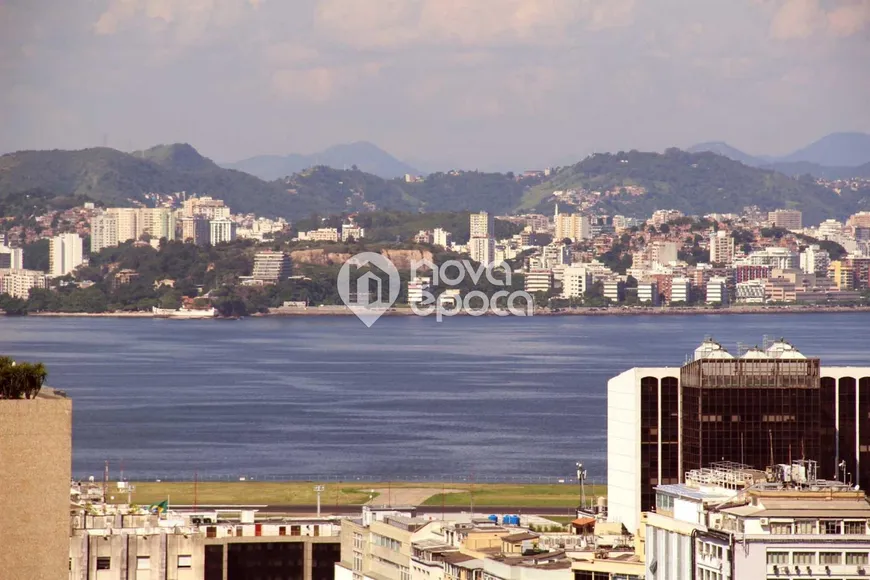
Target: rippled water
290, 397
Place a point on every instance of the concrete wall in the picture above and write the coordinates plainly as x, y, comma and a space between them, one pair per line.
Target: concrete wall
35, 453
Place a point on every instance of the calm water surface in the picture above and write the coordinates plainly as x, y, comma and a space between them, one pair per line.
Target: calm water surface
296, 397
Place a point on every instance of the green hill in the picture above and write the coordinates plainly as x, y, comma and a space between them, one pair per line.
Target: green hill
694, 183
115, 177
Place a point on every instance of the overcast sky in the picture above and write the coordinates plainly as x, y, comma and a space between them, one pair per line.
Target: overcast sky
468, 82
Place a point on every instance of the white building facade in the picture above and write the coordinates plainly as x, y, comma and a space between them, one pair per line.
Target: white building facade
65, 254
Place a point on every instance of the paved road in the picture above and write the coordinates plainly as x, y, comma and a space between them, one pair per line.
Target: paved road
430, 509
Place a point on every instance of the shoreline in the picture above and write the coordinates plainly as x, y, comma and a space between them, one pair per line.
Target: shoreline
617, 311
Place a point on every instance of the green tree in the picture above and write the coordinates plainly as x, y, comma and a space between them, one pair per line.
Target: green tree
20, 380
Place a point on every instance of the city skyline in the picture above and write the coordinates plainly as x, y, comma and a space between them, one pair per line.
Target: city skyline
512, 82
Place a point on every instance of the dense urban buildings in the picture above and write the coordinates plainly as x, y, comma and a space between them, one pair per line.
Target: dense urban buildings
761, 407
729, 521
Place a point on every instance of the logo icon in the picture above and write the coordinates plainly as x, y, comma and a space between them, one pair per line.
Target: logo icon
361, 287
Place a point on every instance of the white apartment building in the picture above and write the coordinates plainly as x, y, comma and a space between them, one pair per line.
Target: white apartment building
65, 254
416, 288
664, 216
207, 207
721, 248
815, 260
575, 227
157, 222
662, 253
788, 219
717, 290
830, 230
127, 222
195, 229
349, 231
441, 237
221, 230
614, 290
381, 549
104, 231
482, 249
728, 521
575, 281
539, 280
270, 267
648, 293
750, 292
555, 254
481, 225
18, 283
320, 235
681, 289
775, 257
11, 258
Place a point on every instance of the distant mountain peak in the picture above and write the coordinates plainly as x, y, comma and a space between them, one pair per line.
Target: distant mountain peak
845, 149
725, 150
180, 156
365, 155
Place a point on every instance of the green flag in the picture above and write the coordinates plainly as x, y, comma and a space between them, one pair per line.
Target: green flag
159, 507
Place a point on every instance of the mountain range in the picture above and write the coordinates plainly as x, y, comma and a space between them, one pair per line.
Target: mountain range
695, 183
362, 154
835, 156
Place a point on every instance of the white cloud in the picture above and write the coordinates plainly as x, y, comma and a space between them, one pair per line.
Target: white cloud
796, 19
850, 19
190, 20
800, 19
374, 24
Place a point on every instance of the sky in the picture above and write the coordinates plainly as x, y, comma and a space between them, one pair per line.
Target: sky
465, 83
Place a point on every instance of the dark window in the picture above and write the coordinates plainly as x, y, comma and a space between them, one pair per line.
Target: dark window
104, 563
323, 558
265, 560
214, 563
649, 447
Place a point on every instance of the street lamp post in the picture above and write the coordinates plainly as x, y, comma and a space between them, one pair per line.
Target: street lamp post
319, 489
581, 477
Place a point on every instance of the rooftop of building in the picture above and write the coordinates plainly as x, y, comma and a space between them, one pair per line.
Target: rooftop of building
520, 537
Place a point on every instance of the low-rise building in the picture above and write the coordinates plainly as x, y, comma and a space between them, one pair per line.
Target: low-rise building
717, 290
751, 292
648, 293
614, 290
270, 267
352, 232
575, 281
732, 522
441, 237
417, 287
19, 283
539, 280
681, 290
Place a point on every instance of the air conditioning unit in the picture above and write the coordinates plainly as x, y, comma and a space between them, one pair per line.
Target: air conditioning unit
764, 521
